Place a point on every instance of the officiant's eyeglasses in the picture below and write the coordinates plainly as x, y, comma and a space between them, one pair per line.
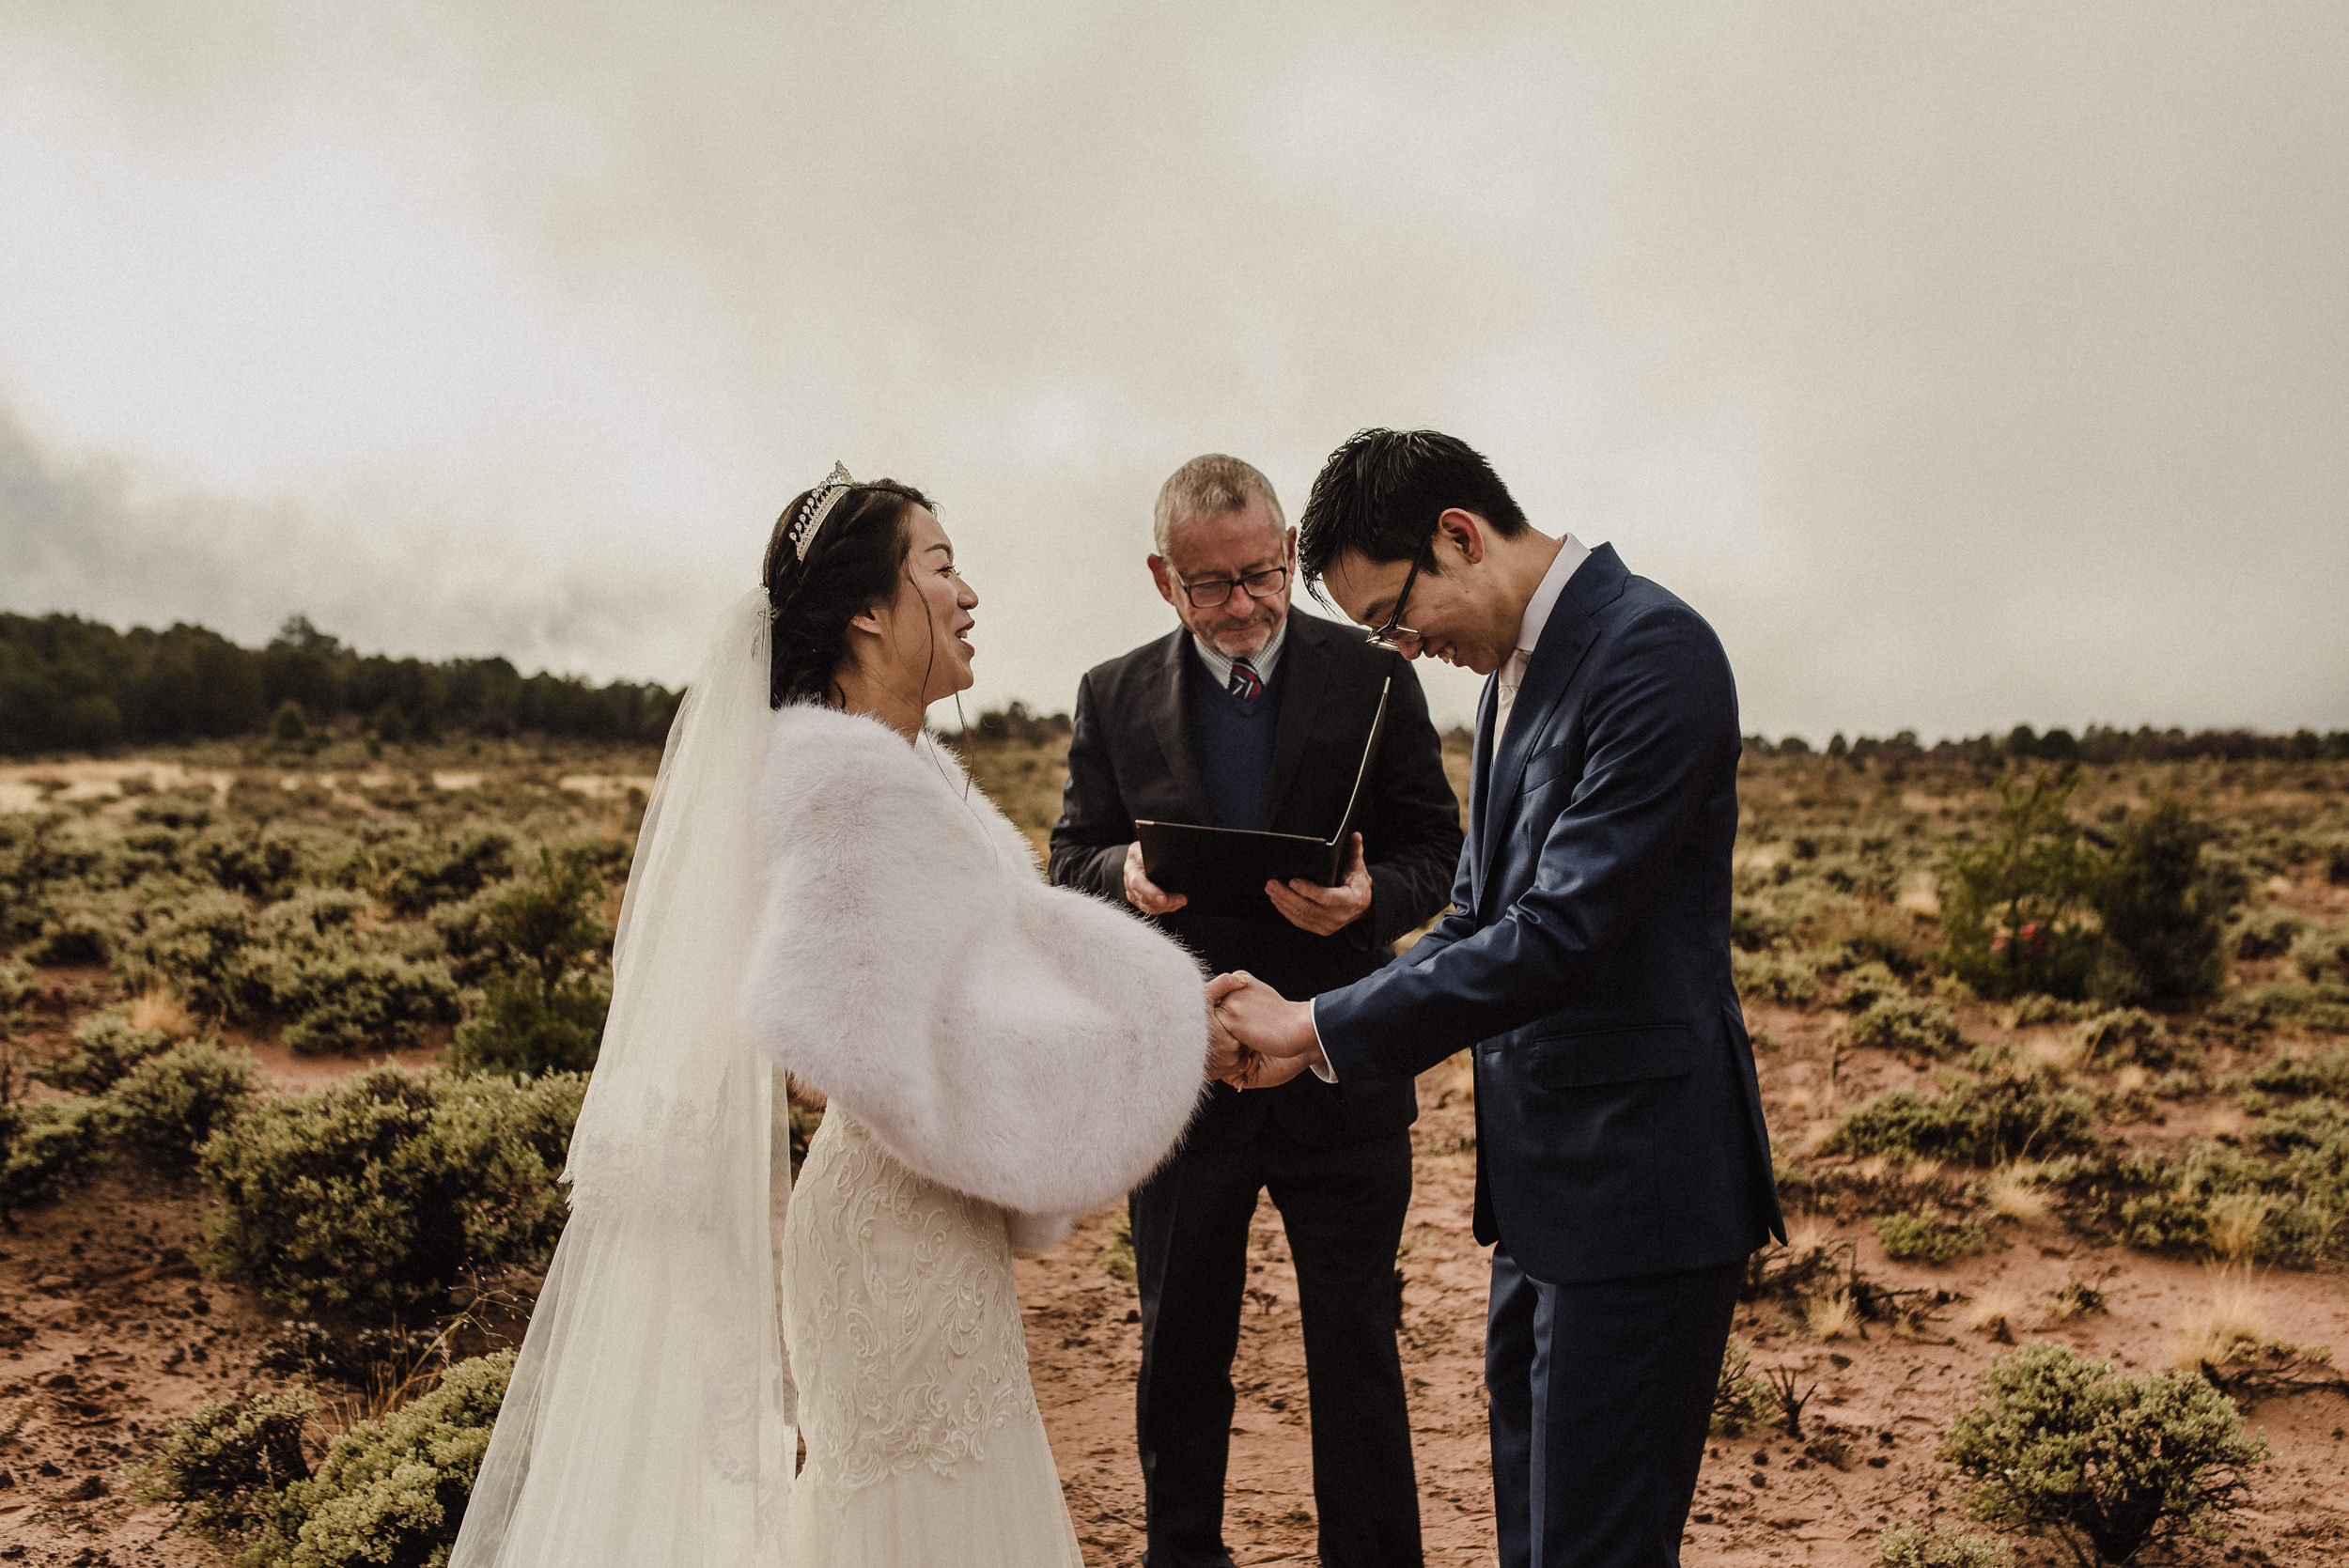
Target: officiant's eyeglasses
1207, 594
1391, 631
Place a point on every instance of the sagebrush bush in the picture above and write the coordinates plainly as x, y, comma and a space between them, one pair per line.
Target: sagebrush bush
2127, 1035
106, 1046
2321, 953
2164, 914
386, 1192
1983, 1121
351, 1001
1928, 1235
169, 1106
415, 876
2305, 1073
2321, 1006
17, 990
196, 949
45, 1145
1905, 1023
2269, 933
388, 1493
1944, 1547
1773, 977
2063, 1445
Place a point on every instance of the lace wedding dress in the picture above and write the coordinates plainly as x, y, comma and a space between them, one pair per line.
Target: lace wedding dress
923, 1442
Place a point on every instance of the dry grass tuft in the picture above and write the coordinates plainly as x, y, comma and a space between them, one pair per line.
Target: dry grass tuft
2233, 1220
2078, 1298
2225, 1124
2131, 1078
1873, 1169
1994, 1313
2015, 1194
1807, 1234
2232, 1324
1800, 1100
1831, 1317
1921, 1171
162, 1012
1816, 1135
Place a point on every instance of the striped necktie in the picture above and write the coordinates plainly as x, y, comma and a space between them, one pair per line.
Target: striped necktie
1246, 684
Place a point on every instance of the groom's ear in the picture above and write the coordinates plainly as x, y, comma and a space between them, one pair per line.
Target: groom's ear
1464, 531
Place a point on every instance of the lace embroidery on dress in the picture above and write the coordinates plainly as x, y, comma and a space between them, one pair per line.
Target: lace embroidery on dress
904, 1326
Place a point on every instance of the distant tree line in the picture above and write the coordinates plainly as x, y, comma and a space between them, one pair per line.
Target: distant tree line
2097, 745
68, 684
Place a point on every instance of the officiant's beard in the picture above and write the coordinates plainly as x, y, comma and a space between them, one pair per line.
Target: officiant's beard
1241, 639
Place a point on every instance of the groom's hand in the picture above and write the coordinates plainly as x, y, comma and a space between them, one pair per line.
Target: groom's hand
1145, 894
1324, 911
1278, 1031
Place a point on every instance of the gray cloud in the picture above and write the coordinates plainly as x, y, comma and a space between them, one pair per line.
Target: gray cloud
1964, 368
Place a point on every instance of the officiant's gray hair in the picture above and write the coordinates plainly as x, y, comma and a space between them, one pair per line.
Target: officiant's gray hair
1208, 486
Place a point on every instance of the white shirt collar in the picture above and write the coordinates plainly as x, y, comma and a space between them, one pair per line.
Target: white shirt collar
1570, 556
1262, 661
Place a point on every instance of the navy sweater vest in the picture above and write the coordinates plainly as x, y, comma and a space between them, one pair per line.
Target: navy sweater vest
1232, 740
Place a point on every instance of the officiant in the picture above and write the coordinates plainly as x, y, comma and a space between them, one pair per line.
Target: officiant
1253, 715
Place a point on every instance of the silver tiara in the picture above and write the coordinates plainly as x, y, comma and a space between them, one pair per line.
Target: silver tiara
818, 506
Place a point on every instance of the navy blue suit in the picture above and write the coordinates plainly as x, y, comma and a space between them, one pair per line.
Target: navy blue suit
1623, 1164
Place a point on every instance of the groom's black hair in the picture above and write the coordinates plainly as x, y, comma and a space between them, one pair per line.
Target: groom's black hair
1382, 491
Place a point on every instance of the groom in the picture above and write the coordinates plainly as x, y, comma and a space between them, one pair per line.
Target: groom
1622, 1167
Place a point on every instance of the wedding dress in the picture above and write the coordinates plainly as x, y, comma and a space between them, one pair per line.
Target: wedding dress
812, 893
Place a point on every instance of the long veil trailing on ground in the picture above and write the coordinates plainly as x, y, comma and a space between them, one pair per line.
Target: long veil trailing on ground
648, 1421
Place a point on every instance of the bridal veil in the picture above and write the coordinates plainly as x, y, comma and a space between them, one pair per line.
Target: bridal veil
648, 1421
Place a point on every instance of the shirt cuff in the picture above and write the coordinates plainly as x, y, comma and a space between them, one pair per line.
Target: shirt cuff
1322, 1069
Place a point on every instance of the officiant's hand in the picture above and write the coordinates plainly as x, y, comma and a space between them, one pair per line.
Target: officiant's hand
1324, 912
1278, 1032
1145, 894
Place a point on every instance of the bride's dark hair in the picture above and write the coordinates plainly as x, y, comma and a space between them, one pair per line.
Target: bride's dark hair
857, 560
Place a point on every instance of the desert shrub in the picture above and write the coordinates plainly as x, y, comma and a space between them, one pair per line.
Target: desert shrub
1740, 1400
394, 1491
2015, 909
384, 1192
2280, 1201
354, 1001
76, 934
2107, 1462
228, 1463
1985, 1121
1945, 1546
1928, 1235
388, 1493
17, 990
106, 1046
169, 1106
1754, 926
545, 997
2321, 953
2323, 1006
2124, 1034
2163, 913
45, 1145
1860, 986
2269, 933
1872, 938
1905, 1023
196, 948
426, 874
1773, 977
2305, 1073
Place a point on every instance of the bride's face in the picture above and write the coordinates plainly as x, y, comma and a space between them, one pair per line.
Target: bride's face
923, 635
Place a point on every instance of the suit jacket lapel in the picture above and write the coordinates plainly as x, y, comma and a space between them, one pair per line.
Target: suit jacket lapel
1572, 629
1170, 719
1302, 671
1480, 778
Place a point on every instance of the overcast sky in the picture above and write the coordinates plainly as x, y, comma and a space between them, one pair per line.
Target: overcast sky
1966, 364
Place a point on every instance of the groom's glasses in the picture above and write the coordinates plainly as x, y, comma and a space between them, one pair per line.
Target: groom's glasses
1213, 591
1391, 631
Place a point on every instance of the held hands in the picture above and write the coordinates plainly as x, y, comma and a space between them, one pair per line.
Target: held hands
1307, 906
1145, 894
1273, 1037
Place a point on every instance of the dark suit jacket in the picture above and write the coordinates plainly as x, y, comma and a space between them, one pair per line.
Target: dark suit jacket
1586, 959
1130, 756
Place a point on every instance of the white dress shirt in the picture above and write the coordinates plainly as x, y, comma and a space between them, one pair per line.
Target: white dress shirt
1569, 559
1262, 661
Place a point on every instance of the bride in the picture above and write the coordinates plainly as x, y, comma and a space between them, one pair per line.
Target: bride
818, 887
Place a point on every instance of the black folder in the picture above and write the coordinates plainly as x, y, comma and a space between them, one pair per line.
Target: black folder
1222, 870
